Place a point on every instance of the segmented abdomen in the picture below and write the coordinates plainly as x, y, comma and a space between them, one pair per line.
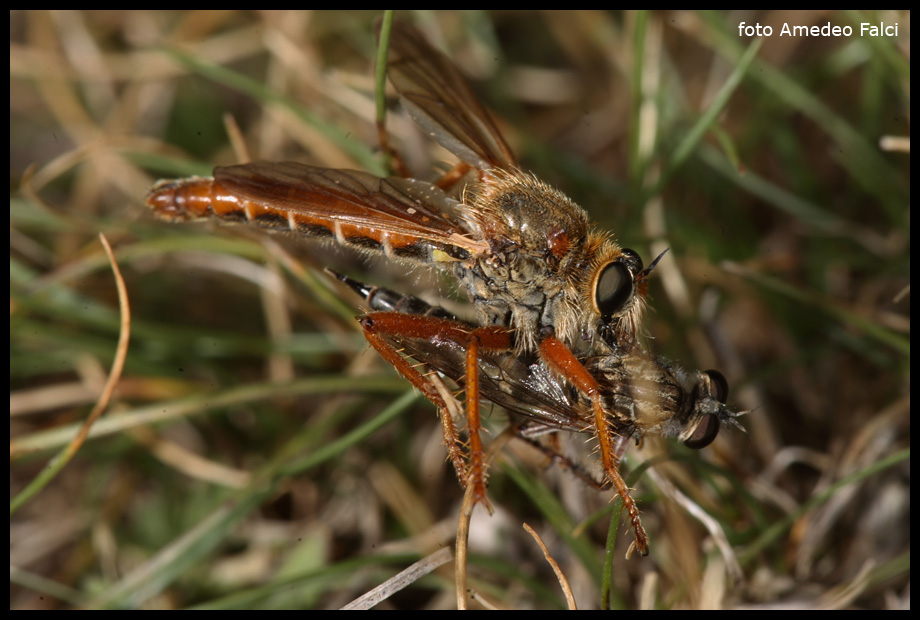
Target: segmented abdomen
197, 198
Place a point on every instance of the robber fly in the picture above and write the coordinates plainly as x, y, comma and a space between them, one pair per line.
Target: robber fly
641, 394
543, 280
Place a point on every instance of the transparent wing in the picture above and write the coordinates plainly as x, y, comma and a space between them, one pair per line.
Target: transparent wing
440, 100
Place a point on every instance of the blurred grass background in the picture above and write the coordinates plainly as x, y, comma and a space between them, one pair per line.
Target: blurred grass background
256, 454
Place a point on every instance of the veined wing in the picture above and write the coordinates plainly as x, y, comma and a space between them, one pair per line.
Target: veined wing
439, 99
354, 204
525, 389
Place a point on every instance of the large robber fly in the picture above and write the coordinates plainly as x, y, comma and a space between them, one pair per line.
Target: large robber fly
546, 285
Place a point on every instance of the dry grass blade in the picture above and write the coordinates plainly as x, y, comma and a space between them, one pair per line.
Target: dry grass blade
463, 528
401, 580
563, 582
463, 538
118, 364
712, 525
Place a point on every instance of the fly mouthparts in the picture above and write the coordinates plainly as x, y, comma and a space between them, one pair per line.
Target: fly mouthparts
648, 270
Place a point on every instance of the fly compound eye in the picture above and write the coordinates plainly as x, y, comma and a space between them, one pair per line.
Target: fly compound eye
718, 386
704, 433
612, 289
614, 285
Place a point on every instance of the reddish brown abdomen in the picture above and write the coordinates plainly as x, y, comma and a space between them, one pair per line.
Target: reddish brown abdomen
199, 198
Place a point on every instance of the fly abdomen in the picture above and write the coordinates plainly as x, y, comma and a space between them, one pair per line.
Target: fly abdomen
381, 299
199, 198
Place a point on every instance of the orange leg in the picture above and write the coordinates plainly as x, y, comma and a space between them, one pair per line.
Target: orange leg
453, 176
476, 473
378, 325
398, 165
564, 362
